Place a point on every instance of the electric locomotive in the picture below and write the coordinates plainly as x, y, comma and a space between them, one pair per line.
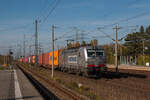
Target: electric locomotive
88, 60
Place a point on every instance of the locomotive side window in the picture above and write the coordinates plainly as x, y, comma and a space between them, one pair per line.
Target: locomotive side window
91, 54
72, 59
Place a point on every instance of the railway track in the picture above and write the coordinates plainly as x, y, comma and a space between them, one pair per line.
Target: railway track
109, 87
121, 82
67, 92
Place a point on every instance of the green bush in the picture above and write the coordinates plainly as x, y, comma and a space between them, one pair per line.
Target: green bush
140, 59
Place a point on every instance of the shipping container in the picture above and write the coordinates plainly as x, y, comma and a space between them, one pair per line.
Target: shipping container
20, 59
29, 59
25, 60
40, 59
33, 59
46, 59
36, 59
56, 58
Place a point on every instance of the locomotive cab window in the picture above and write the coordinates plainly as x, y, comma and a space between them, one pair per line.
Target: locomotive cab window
95, 53
99, 53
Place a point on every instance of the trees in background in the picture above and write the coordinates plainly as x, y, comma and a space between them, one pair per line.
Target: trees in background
134, 42
132, 46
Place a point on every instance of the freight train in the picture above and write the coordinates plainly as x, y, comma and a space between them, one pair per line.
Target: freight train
88, 60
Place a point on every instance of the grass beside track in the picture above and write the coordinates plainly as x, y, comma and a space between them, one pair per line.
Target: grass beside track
56, 79
84, 90
73, 85
124, 85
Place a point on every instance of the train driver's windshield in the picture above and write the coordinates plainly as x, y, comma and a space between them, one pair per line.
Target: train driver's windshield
95, 53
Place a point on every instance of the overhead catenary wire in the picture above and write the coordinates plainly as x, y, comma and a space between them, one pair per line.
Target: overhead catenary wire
72, 36
43, 9
127, 19
16, 28
128, 4
105, 34
56, 2
133, 2
114, 23
63, 36
134, 30
27, 25
121, 37
42, 16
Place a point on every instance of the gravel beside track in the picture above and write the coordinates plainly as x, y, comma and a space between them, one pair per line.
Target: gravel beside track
60, 91
126, 85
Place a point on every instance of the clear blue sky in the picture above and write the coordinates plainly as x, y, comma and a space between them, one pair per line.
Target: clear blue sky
17, 18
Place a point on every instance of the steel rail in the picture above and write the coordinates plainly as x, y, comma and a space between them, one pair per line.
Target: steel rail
64, 90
